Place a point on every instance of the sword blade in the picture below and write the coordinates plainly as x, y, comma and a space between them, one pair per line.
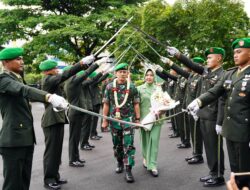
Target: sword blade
103, 116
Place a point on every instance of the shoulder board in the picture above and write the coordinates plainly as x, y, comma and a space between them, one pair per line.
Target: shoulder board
232, 68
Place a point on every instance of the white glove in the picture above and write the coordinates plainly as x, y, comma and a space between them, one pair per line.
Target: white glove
106, 68
218, 129
102, 61
88, 59
166, 61
158, 67
172, 51
58, 102
193, 108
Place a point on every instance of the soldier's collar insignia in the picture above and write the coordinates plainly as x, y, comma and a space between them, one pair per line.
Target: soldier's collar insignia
241, 43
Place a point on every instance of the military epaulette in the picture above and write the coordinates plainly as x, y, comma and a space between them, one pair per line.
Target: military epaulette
232, 68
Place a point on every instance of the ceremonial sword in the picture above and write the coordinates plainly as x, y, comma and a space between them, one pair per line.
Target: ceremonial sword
107, 43
103, 116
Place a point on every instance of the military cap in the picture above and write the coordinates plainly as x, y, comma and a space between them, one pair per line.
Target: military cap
215, 50
110, 76
93, 74
121, 66
47, 65
241, 43
198, 60
11, 53
67, 67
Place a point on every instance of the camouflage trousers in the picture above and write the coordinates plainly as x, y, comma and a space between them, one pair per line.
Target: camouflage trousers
123, 141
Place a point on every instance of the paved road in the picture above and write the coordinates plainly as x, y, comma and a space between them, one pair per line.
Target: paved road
98, 173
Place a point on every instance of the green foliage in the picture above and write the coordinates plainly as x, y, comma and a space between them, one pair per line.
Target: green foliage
191, 26
67, 29
32, 78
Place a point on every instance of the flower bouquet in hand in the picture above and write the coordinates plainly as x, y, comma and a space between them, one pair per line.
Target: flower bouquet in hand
160, 102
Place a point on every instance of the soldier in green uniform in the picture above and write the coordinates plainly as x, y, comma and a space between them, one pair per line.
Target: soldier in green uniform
17, 136
121, 100
190, 94
74, 93
209, 116
53, 122
235, 84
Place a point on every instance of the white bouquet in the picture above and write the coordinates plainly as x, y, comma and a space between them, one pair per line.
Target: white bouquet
160, 101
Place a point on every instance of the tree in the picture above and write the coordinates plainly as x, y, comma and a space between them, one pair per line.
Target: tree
67, 29
192, 26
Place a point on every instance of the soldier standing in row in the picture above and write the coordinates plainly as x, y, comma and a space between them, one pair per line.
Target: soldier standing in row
17, 135
53, 122
121, 100
235, 83
209, 116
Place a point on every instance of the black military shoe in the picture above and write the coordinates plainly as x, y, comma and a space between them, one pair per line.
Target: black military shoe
119, 168
205, 178
76, 164
86, 147
189, 158
173, 135
52, 186
81, 161
214, 182
184, 146
196, 160
62, 181
128, 175
92, 146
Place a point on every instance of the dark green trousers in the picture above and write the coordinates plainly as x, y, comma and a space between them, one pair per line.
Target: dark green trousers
196, 136
210, 139
94, 121
239, 156
74, 136
183, 125
53, 152
173, 122
85, 130
17, 166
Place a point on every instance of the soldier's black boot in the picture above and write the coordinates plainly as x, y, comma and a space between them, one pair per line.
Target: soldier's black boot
119, 168
128, 175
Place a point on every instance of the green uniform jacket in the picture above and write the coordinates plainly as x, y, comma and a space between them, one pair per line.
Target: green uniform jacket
17, 128
236, 125
51, 84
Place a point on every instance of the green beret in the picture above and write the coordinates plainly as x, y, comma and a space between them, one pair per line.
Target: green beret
110, 76
215, 50
67, 68
92, 75
198, 60
10, 53
121, 66
47, 65
241, 43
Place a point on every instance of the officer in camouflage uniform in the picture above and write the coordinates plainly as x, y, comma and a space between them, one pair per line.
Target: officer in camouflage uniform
122, 134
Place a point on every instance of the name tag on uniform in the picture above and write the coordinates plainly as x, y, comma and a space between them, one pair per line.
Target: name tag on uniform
227, 84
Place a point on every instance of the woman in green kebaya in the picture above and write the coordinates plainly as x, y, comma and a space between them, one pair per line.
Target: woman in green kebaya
149, 139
